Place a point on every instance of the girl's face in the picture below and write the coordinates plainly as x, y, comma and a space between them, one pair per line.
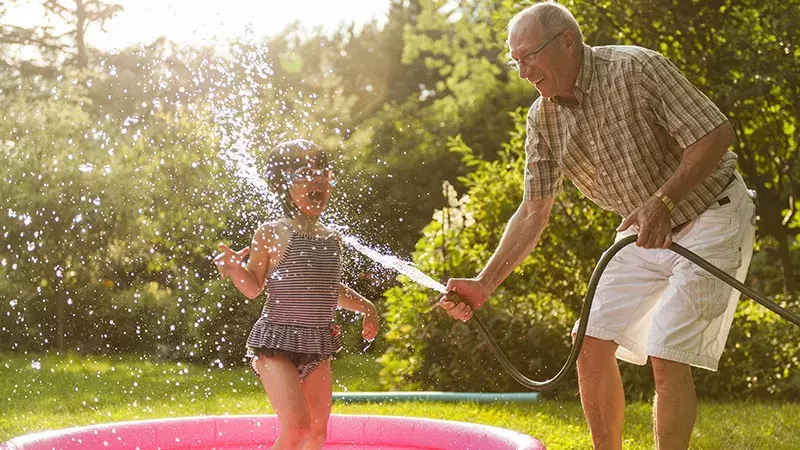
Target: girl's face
310, 187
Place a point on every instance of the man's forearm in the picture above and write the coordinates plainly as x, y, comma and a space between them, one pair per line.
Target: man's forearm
698, 161
519, 239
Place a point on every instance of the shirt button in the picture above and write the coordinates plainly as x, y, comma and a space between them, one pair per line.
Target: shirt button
605, 173
619, 202
591, 142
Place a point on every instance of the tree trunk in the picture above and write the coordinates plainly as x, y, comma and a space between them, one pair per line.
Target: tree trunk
786, 258
80, 32
770, 209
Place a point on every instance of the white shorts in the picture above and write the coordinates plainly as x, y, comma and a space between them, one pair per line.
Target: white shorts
654, 302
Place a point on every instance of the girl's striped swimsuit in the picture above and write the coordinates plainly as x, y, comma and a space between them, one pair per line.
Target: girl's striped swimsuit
302, 293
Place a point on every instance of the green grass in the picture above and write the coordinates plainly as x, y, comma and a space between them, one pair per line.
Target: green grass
74, 390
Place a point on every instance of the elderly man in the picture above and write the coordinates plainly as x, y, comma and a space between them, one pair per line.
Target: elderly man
636, 138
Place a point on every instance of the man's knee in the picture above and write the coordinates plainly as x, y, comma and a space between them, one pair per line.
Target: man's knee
595, 354
593, 346
666, 373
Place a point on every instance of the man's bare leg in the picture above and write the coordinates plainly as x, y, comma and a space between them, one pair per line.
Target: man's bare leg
675, 404
602, 395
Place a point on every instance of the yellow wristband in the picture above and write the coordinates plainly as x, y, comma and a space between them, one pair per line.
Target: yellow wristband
665, 200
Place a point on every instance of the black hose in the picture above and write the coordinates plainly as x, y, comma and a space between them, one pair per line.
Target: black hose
587, 306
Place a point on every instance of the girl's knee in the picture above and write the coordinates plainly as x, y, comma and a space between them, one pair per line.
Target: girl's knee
296, 431
318, 434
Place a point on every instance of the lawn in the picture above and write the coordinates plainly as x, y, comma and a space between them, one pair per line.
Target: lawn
46, 392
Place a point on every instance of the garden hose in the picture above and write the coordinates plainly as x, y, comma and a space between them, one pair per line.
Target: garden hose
587, 306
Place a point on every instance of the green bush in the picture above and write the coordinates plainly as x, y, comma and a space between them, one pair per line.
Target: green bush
219, 322
762, 357
140, 319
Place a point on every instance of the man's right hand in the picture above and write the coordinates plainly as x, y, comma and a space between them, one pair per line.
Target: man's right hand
471, 295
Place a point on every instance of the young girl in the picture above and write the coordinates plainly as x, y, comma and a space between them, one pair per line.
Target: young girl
299, 261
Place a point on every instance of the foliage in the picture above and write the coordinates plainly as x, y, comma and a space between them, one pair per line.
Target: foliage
761, 358
461, 88
98, 219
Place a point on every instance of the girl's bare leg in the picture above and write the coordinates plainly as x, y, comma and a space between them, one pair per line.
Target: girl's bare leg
286, 395
317, 387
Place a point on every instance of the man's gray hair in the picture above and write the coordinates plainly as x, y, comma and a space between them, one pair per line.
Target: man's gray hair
552, 17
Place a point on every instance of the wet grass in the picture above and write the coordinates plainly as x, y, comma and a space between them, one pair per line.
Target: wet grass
47, 392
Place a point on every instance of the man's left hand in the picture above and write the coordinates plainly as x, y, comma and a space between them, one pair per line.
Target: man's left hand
652, 221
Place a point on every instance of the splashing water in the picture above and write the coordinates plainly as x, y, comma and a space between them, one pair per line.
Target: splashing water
235, 118
263, 113
395, 263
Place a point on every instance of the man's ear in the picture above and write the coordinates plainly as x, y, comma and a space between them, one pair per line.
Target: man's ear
569, 39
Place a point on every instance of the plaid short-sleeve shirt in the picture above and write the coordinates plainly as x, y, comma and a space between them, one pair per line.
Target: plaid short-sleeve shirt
625, 137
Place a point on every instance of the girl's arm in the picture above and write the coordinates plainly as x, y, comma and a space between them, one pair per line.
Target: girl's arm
249, 279
353, 301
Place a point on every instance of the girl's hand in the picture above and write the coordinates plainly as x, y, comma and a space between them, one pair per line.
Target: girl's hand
229, 259
369, 328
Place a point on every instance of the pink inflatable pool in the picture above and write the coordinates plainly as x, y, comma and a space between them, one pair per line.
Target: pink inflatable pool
258, 432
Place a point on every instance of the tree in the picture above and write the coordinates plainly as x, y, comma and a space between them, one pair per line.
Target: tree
57, 221
15, 39
78, 18
453, 52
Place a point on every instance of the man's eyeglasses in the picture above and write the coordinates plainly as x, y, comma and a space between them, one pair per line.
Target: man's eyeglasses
528, 58
308, 174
